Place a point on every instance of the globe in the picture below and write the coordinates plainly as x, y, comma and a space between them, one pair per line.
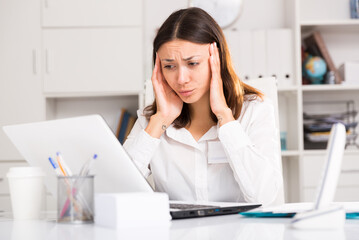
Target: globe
315, 69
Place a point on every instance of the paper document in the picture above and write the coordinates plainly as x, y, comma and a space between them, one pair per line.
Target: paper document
350, 207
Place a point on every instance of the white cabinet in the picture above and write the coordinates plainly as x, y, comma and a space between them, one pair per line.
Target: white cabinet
83, 49
67, 13
313, 163
93, 60
21, 98
66, 58
348, 185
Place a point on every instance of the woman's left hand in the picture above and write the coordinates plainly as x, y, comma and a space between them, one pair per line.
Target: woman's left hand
217, 99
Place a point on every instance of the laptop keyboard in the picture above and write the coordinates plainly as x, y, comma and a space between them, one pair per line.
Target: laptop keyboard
184, 206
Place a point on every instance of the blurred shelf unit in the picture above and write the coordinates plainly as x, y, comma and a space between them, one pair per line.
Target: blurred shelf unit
340, 34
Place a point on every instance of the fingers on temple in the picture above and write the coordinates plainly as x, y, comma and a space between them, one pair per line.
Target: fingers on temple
216, 52
157, 73
214, 59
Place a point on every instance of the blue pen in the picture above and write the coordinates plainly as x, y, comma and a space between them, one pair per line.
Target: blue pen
56, 167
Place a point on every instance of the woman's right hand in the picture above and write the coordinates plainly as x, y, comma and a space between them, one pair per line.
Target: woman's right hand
169, 104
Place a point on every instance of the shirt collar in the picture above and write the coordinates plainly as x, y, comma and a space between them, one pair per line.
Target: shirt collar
182, 135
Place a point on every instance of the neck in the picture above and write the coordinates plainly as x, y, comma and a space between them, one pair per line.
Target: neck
201, 111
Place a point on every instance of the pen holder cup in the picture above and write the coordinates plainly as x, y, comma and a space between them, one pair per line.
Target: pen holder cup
75, 198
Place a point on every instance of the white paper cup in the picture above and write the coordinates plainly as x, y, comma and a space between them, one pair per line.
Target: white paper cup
26, 191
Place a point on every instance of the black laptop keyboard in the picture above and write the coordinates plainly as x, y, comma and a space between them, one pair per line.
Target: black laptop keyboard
184, 206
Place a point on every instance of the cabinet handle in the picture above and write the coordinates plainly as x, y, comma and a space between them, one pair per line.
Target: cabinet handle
1, 179
34, 61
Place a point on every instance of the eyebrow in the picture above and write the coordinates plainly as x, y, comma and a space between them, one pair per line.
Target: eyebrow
184, 59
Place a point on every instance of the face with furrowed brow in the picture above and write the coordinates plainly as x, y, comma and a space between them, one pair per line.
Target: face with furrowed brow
186, 68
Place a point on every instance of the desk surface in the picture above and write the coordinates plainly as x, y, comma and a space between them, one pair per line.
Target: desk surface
219, 227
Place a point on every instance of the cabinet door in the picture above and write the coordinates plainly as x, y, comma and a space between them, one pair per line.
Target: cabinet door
21, 97
66, 13
86, 60
312, 167
347, 189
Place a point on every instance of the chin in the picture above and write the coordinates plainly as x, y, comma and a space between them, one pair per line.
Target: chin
190, 99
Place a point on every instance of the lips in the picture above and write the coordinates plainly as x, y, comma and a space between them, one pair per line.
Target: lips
186, 93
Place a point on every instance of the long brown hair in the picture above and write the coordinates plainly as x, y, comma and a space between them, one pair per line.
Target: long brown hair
197, 26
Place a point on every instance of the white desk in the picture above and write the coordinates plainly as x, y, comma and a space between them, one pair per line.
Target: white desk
220, 227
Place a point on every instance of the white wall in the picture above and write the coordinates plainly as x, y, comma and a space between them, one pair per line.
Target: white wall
256, 14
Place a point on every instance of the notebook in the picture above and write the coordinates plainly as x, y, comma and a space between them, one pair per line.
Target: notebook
78, 139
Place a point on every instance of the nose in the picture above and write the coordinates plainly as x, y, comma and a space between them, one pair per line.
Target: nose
183, 76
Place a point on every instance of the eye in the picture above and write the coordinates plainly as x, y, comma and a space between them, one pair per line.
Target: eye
169, 67
193, 63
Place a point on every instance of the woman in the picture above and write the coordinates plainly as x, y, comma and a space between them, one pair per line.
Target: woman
207, 136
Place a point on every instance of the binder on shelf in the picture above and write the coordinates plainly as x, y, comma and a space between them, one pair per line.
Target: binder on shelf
259, 51
233, 40
273, 52
240, 48
286, 55
123, 128
123, 110
316, 46
280, 56
125, 125
131, 122
263, 53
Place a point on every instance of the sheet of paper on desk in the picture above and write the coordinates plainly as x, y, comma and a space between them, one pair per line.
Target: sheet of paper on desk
350, 207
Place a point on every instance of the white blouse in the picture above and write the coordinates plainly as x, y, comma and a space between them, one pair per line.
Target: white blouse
237, 162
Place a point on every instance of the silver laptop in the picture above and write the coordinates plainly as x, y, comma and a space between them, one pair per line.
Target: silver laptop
78, 139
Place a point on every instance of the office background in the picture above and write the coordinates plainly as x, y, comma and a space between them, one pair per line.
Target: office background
70, 58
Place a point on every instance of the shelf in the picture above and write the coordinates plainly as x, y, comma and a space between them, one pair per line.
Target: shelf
344, 22
328, 87
323, 151
90, 94
330, 25
290, 153
288, 89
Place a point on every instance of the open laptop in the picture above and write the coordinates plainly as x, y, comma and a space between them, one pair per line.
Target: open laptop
78, 139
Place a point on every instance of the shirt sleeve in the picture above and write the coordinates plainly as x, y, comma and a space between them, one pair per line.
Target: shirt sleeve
254, 153
140, 146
